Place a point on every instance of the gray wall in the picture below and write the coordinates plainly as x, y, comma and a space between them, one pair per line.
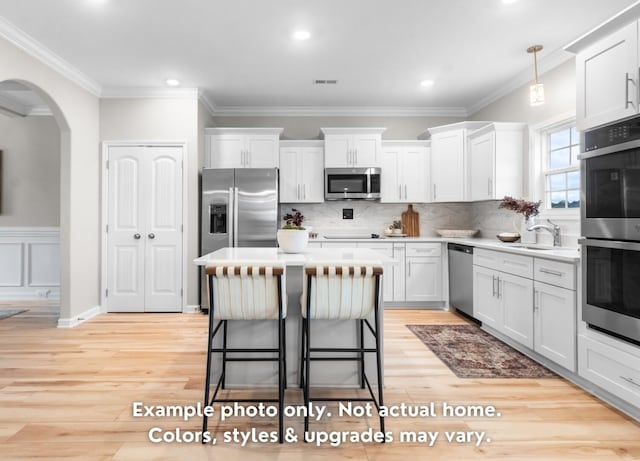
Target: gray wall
30, 171
307, 127
560, 98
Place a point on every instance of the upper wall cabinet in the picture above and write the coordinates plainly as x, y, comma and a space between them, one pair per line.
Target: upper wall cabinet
496, 154
405, 175
352, 147
449, 164
243, 147
301, 172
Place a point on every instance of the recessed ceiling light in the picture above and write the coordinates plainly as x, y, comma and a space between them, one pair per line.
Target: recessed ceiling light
427, 83
508, 2
172, 82
301, 34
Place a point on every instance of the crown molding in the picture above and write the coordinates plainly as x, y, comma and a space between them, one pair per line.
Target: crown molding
207, 102
36, 49
361, 111
160, 93
549, 62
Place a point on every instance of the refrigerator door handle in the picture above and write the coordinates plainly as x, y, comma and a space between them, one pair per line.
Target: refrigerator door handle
230, 224
235, 216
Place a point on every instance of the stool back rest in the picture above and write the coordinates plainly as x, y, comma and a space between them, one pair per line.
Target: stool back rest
341, 292
246, 290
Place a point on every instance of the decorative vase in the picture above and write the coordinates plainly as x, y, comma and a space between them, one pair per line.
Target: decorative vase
526, 235
292, 240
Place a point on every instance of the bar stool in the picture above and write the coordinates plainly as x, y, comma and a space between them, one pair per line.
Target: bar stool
333, 291
245, 290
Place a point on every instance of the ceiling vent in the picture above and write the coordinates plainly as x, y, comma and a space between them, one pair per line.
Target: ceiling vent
325, 82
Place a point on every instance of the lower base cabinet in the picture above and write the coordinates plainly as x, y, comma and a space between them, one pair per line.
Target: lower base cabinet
423, 279
555, 324
540, 316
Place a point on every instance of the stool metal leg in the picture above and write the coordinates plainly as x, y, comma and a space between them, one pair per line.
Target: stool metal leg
209, 346
284, 350
302, 352
361, 354
307, 361
378, 355
224, 353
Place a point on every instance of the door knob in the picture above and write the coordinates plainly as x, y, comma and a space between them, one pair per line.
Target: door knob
151, 236
136, 236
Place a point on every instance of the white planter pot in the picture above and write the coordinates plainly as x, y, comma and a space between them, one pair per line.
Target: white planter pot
292, 240
527, 236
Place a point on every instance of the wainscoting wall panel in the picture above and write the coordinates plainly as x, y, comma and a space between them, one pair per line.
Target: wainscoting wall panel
29, 263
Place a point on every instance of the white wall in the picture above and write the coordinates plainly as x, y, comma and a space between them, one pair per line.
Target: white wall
147, 119
307, 127
30, 171
76, 111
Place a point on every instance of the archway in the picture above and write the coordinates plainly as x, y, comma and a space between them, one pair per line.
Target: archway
31, 177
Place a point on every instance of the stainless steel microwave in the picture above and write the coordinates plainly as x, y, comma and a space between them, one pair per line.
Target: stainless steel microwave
352, 183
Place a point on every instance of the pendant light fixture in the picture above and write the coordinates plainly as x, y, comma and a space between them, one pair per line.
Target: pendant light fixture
536, 91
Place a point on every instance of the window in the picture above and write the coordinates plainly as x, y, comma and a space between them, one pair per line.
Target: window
561, 169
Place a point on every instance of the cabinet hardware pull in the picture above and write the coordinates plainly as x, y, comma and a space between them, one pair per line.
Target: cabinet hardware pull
298, 191
489, 188
536, 300
499, 294
400, 192
626, 90
151, 236
493, 287
248, 157
409, 269
356, 157
136, 236
630, 380
304, 192
550, 272
434, 192
405, 191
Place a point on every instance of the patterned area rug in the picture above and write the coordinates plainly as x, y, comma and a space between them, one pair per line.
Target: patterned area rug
6, 313
472, 353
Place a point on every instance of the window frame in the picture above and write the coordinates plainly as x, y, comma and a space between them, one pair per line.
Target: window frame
538, 161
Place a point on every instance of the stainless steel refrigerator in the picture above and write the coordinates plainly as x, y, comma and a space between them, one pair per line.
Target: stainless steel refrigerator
239, 209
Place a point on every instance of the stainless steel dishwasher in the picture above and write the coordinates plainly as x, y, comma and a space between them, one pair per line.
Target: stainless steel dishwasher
461, 277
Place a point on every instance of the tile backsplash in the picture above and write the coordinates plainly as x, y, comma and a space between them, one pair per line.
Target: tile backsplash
374, 217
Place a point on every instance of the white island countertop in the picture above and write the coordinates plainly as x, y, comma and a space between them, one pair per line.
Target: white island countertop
293, 259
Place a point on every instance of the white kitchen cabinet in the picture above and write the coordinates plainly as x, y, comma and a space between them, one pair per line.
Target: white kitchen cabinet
301, 172
486, 305
516, 295
504, 302
607, 77
388, 273
555, 323
399, 272
449, 162
243, 147
405, 177
352, 147
531, 300
496, 154
423, 276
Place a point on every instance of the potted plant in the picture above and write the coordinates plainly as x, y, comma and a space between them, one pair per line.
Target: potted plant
293, 237
528, 210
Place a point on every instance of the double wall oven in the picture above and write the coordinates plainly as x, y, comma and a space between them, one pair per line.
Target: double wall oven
610, 219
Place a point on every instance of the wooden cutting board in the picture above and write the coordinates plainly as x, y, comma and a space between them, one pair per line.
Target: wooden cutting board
411, 222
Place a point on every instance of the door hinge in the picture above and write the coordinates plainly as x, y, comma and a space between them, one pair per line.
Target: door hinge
107, 164
181, 291
106, 228
106, 293
181, 227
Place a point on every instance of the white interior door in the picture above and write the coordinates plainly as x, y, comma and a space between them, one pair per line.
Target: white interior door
144, 237
163, 239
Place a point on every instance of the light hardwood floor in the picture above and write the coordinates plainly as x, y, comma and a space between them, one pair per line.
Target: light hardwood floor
67, 395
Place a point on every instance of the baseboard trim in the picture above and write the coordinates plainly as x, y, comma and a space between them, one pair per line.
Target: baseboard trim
191, 309
80, 318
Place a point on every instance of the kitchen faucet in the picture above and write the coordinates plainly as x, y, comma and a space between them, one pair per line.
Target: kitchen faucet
553, 228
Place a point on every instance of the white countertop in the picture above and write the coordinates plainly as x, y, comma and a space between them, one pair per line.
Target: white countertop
556, 253
290, 259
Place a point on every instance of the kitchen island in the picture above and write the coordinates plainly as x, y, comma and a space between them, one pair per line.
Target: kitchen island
325, 333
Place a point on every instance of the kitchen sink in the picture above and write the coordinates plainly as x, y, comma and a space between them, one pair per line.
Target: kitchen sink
531, 246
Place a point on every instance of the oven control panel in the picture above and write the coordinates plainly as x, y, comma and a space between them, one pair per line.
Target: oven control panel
610, 135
